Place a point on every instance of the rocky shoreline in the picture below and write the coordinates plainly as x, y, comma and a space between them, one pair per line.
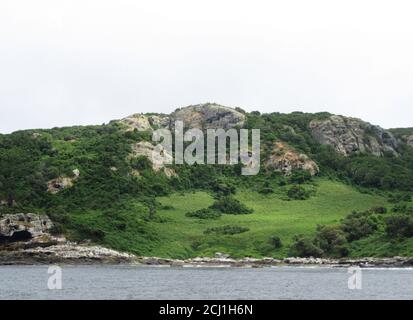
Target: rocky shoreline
395, 262
25, 239
71, 253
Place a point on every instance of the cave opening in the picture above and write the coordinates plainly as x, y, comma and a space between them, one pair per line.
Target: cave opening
17, 236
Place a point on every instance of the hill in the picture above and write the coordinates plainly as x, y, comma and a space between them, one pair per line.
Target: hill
328, 186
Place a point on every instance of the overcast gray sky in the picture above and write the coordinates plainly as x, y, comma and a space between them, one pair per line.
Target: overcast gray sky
90, 61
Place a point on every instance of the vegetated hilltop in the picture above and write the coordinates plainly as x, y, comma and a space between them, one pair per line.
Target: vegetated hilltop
328, 186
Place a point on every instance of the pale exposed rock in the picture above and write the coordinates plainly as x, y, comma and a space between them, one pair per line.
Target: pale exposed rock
142, 122
15, 227
76, 173
159, 121
68, 253
285, 159
351, 135
409, 140
56, 185
74, 251
135, 173
157, 158
220, 255
137, 121
209, 116
169, 172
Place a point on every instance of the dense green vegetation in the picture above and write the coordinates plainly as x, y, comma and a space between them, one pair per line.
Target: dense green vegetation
206, 209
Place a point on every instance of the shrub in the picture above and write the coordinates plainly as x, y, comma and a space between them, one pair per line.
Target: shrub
359, 224
223, 189
266, 190
141, 163
399, 225
276, 242
332, 241
300, 177
297, 192
400, 197
204, 214
304, 247
226, 230
402, 208
379, 210
229, 205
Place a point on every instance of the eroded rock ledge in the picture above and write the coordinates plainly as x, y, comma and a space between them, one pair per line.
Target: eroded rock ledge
66, 253
269, 262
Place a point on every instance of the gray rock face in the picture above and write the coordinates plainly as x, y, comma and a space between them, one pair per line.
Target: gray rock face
23, 227
148, 150
350, 135
284, 159
143, 122
209, 116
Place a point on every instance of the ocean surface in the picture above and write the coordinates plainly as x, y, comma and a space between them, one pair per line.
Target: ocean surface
136, 282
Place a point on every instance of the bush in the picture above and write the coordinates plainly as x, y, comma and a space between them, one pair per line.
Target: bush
379, 210
226, 230
399, 225
141, 163
400, 197
402, 208
297, 192
304, 247
359, 224
223, 189
332, 241
204, 214
167, 207
276, 242
300, 177
229, 205
266, 190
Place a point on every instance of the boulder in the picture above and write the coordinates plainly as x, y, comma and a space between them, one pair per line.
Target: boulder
24, 227
350, 135
285, 159
208, 116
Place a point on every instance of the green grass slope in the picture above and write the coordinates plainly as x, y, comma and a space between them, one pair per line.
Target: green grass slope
180, 236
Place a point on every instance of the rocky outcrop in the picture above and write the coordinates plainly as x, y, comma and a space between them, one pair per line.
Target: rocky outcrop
157, 159
409, 140
284, 159
26, 239
350, 135
68, 253
142, 122
56, 185
209, 116
24, 227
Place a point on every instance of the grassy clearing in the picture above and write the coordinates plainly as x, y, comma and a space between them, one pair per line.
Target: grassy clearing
181, 236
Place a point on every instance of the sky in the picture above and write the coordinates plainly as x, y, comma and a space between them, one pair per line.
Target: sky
90, 61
